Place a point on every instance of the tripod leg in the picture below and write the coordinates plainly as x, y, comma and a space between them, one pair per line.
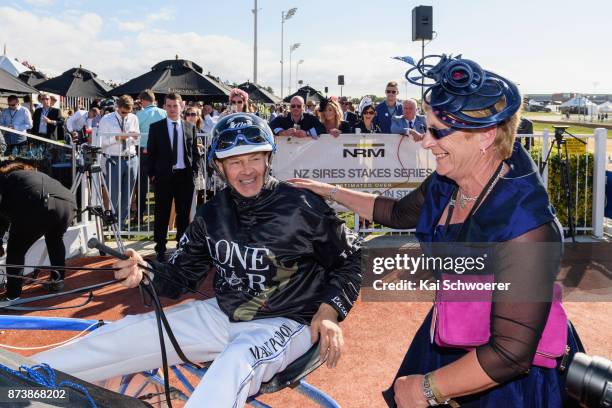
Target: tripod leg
568, 194
98, 184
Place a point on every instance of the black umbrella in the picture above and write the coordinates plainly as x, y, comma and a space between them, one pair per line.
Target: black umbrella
175, 76
76, 82
308, 93
33, 78
259, 94
10, 84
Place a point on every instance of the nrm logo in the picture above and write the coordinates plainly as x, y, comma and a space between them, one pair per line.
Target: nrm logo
363, 150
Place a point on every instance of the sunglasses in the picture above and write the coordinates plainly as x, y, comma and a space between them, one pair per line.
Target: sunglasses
344, 103
390, 91
440, 133
124, 113
296, 106
12, 106
192, 114
237, 102
232, 137
370, 112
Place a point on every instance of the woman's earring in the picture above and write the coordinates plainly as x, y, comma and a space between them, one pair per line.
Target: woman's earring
483, 150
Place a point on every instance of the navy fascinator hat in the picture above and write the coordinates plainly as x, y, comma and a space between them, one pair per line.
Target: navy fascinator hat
457, 86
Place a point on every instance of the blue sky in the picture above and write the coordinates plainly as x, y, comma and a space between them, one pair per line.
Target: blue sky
544, 45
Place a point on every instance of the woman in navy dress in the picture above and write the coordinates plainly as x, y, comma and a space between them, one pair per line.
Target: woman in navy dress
486, 189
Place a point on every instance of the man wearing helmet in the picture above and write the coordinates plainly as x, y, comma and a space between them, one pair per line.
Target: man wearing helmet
287, 271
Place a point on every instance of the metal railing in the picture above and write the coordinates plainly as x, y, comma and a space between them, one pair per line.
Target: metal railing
587, 183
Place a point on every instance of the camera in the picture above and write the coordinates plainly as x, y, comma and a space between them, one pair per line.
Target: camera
560, 129
89, 156
589, 380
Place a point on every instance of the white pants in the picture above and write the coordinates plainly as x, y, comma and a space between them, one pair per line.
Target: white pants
245, 354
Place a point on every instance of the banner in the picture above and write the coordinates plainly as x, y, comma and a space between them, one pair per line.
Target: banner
387, 164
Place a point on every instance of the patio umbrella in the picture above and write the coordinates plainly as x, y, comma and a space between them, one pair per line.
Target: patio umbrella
259, 94
175, 76
11, 84
308, 93
76, 82
33, 78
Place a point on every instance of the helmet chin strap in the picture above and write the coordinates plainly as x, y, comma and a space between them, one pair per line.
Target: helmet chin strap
266, 180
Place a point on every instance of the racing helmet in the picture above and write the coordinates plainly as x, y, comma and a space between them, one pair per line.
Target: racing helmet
240, 133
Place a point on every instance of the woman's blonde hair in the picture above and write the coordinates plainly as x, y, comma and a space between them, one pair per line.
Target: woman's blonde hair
337, 111
506, 131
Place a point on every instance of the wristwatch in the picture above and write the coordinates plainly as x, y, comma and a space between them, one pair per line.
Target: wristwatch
428, 392
432, 394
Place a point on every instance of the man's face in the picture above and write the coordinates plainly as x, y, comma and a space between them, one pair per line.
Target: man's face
13, 104
173, 108
46, 101
208, 109
123, 111
391, 94
297, 107
409, 110
344, 104
245, 172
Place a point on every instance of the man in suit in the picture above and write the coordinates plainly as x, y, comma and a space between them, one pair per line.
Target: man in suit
409, 123
171, 165
348, 116
48, 121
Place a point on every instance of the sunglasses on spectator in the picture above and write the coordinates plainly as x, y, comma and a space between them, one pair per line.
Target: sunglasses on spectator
296, 106
237, 102
192, 114
344, 103
13, 105
124, 112
440, 133
390, 91
370, 112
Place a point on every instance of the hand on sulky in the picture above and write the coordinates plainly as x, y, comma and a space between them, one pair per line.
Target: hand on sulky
129, 269
324, 327
322, 189
409, 392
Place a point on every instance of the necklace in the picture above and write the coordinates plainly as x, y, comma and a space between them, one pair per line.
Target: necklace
463, 199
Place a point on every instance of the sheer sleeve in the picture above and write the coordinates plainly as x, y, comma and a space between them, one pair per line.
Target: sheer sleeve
403, 213
530, 264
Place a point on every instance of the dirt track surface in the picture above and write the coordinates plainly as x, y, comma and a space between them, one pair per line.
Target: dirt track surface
377, 335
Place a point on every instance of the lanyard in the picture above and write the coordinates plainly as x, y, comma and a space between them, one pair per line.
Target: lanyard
12, 114
120, 122
481, 196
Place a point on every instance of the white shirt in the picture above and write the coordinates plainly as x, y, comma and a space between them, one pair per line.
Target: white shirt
209, 124
76, 121
180, 154
110, 126
42, 126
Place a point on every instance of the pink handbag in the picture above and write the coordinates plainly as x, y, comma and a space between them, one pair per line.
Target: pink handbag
463, 320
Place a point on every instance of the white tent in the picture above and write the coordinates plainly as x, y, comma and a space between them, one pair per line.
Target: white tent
579, 103
10, 65
605, 107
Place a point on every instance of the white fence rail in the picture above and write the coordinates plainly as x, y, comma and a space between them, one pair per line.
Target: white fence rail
587, 192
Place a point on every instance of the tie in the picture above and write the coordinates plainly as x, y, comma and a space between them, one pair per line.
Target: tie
410, 126
174, 143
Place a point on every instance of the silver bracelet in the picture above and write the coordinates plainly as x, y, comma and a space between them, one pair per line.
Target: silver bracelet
332, 194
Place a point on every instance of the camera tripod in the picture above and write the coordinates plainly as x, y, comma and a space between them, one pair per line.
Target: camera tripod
564, 172
88, 167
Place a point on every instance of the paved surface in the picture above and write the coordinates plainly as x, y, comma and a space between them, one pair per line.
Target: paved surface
377, 335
